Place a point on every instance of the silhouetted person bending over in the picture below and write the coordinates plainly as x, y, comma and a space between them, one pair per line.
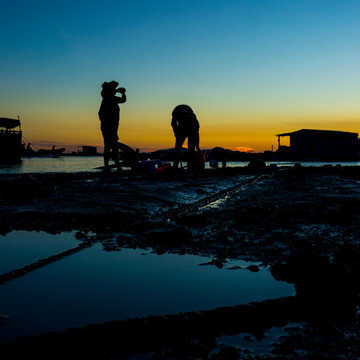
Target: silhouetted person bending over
109, 115
185, 125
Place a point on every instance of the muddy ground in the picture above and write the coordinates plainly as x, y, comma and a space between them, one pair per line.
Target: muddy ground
302, 223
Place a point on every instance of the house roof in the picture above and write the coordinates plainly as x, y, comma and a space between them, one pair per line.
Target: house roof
9, 123
321, 133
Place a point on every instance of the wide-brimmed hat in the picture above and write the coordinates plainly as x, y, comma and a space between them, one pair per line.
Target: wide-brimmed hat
110, 85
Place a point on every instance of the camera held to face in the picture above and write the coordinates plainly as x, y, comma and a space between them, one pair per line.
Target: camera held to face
121, 90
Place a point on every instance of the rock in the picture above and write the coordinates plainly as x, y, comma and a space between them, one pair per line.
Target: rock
177, 236
257, 164
326, 289
253, 268
22, 189
219, 263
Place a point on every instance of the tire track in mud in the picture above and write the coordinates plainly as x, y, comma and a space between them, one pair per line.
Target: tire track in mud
42, 262
166, 215
198, 204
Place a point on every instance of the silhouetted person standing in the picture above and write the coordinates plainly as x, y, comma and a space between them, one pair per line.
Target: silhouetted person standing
185, 125
109, 115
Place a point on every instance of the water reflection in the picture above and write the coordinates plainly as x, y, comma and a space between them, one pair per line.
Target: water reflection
21, 248
95, 286
15, 168
72, 164
262, 344
66, 164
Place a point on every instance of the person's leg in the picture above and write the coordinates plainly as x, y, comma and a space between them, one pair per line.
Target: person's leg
106, 157
192, 143
115, 156
197, 140
177, 151
107, 147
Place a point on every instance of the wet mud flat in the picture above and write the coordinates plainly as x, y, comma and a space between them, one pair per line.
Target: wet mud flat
302, 223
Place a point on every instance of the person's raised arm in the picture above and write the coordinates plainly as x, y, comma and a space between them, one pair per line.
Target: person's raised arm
121, 99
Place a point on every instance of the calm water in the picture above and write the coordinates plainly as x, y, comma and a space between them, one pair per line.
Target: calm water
67, 164
95, 286
89, 163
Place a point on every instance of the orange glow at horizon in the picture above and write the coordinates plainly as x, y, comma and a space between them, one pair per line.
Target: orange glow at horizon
242, 149
150, 132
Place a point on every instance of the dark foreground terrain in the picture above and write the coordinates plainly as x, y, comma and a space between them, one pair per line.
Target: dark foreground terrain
302, 223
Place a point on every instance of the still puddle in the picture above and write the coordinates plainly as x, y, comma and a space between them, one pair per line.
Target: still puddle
21, 248
96, 286
254, 345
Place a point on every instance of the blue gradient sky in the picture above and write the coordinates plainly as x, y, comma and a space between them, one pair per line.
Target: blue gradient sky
249, 68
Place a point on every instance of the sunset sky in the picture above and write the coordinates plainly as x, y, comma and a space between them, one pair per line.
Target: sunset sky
250, 69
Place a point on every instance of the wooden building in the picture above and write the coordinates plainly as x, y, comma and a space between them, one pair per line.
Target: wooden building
10, 140
307, 144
